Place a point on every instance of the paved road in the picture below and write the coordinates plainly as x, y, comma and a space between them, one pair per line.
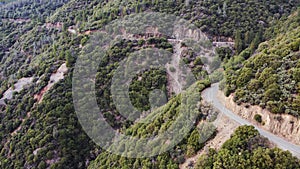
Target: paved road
210, 95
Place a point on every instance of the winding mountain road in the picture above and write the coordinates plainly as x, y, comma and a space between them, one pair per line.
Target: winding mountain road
210, 95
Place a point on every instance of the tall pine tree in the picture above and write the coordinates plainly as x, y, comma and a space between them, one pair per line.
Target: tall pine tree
238, 41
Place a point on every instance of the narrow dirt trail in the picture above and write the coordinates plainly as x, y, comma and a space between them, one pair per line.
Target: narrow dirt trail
173, 69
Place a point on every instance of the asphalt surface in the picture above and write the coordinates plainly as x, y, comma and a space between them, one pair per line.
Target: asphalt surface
210, 95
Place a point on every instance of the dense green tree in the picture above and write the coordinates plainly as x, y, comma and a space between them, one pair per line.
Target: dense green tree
238, 41
69, 58
249, 36
255, 42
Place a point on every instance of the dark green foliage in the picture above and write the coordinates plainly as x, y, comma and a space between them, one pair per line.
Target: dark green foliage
222, 18
296, 74
238, 41
246, 53
249, 36
258, 118
37, 10
224, 52
216, 76
167, 114
270, 77
247, 149
69, 58
254, 44
273, 92
141, 86
140, 89
35, 41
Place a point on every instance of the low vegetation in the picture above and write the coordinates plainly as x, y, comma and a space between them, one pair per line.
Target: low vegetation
270, 78
247, 148
37, 36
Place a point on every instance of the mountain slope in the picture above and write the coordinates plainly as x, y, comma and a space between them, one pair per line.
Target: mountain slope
270, 78
247, 149
36, 39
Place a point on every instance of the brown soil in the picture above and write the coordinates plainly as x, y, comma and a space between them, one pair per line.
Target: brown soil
225, 128
284, 125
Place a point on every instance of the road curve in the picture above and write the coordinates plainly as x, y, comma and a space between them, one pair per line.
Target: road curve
210, 95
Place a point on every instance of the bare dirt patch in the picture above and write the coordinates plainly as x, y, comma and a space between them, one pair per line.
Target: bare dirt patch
174, 77
225, 128
54, 78
283, 125
20, 85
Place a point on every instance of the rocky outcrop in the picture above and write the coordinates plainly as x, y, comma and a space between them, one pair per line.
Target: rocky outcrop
283, 125
54, 78
17, 87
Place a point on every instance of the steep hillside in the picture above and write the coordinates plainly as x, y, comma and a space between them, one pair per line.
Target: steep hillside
38, 124
246, 148
269, 78
217, 18
161, 120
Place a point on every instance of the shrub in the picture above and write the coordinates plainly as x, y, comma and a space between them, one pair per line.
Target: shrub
275, 107
295, 45
296, 104
258, 118
245, 77
278, 118
198, 61
216, 76
141, 42
240, 93
273, 92
224, 52
270, 80
246, 54
42, 165
172, 69
296, 74
254, 85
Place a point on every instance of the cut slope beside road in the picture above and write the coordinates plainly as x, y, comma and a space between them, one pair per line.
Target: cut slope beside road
210, 95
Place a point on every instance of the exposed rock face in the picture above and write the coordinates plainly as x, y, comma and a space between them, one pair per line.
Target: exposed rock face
284, 125
183, 32
20, 85
54, 78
